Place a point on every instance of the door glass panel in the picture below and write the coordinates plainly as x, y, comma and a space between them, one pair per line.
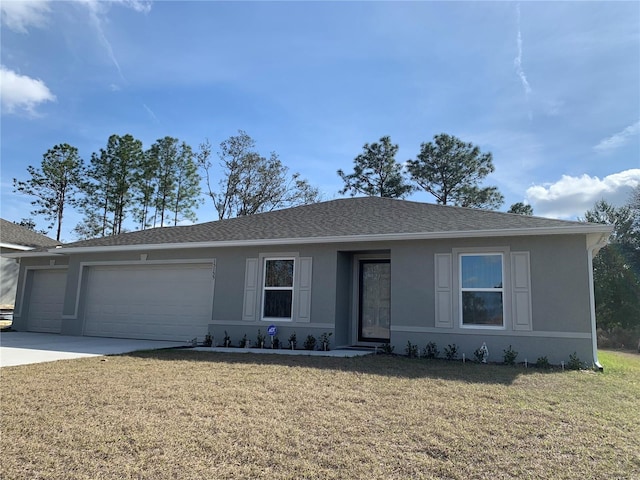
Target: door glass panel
375, 300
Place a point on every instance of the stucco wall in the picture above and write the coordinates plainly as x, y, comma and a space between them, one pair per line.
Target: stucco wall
559, 292
8, 281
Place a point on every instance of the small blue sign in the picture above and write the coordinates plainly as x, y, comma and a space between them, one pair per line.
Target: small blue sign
272, 330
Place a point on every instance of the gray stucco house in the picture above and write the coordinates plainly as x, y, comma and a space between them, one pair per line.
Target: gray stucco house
368, 270
15, 239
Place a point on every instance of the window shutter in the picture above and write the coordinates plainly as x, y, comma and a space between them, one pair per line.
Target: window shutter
250, 290
521, 290
303, 292
444, 295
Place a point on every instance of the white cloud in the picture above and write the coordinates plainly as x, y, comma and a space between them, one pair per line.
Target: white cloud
18, 15
20, 92
140, 6
570, 196
617, 140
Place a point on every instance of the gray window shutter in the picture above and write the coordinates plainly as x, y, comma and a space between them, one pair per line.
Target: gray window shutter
303, 291
521, 290
250, 304
444, 290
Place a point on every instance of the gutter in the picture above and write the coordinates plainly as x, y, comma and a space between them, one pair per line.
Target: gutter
14, 246
594, 244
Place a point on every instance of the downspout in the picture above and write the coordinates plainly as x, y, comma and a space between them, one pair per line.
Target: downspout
594, 244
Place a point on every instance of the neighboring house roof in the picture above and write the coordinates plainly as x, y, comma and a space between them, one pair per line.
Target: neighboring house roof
341, 220
17, 237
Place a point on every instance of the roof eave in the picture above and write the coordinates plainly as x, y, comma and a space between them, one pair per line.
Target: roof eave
512, 232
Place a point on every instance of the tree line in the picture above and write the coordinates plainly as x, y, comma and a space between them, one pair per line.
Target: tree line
125, 183
158, 186
616, 272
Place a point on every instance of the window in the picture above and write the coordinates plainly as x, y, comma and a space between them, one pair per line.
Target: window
278, 288
482, 290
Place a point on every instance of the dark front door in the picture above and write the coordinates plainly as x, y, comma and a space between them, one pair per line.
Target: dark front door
374, 312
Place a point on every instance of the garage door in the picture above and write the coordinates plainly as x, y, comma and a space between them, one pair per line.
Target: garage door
46, 299
154, 302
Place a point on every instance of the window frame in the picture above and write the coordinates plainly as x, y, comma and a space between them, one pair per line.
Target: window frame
265, 288
502, 290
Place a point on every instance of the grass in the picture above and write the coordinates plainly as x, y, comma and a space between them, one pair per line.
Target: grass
186, 414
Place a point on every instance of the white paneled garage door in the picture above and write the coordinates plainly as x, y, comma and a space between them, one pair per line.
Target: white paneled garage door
46, 300
154, 302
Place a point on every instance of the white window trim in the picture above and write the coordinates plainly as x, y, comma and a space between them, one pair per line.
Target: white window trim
506, 281
264, 288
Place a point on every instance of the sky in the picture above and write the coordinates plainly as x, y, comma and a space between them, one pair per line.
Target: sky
551, 89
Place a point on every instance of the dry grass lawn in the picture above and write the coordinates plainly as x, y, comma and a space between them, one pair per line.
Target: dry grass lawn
191, 415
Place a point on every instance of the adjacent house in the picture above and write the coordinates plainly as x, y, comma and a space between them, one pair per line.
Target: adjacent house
367, 270
15, 239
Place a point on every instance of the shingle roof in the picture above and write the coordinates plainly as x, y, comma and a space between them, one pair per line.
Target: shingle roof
346, 217
13, 234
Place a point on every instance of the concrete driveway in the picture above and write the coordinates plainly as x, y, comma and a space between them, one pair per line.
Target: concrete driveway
22, 348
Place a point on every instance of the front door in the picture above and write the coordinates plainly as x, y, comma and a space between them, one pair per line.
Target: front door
374, 312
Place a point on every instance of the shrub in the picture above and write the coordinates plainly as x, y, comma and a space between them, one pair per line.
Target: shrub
276, 343
293, 341
387, 348
324, 341
411, 350
226, 342
208, 340
451, 351
260, 340
509, 356
574, 362
478, 355
244, 343
310, 343
431, 350
543, 362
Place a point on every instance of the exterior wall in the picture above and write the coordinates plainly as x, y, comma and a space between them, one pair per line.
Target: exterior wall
8, 282
560, 308
559, 293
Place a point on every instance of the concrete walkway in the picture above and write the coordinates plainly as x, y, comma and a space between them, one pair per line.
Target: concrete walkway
22, 348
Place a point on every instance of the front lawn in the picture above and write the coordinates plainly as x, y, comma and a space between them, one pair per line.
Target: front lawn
189, 415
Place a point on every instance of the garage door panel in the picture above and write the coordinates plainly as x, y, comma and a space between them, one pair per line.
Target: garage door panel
160, 302
46, 300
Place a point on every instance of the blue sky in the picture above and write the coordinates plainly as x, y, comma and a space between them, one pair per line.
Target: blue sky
551, 89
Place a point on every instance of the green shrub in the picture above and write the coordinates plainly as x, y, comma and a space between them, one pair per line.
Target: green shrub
451, 351
325, 342
387, 348
411, 350
574, 362
310, 343
293, 341
478, 355
226, 342
260, 340
543, 362
244, 342
431, 350
509, 356
208, 340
